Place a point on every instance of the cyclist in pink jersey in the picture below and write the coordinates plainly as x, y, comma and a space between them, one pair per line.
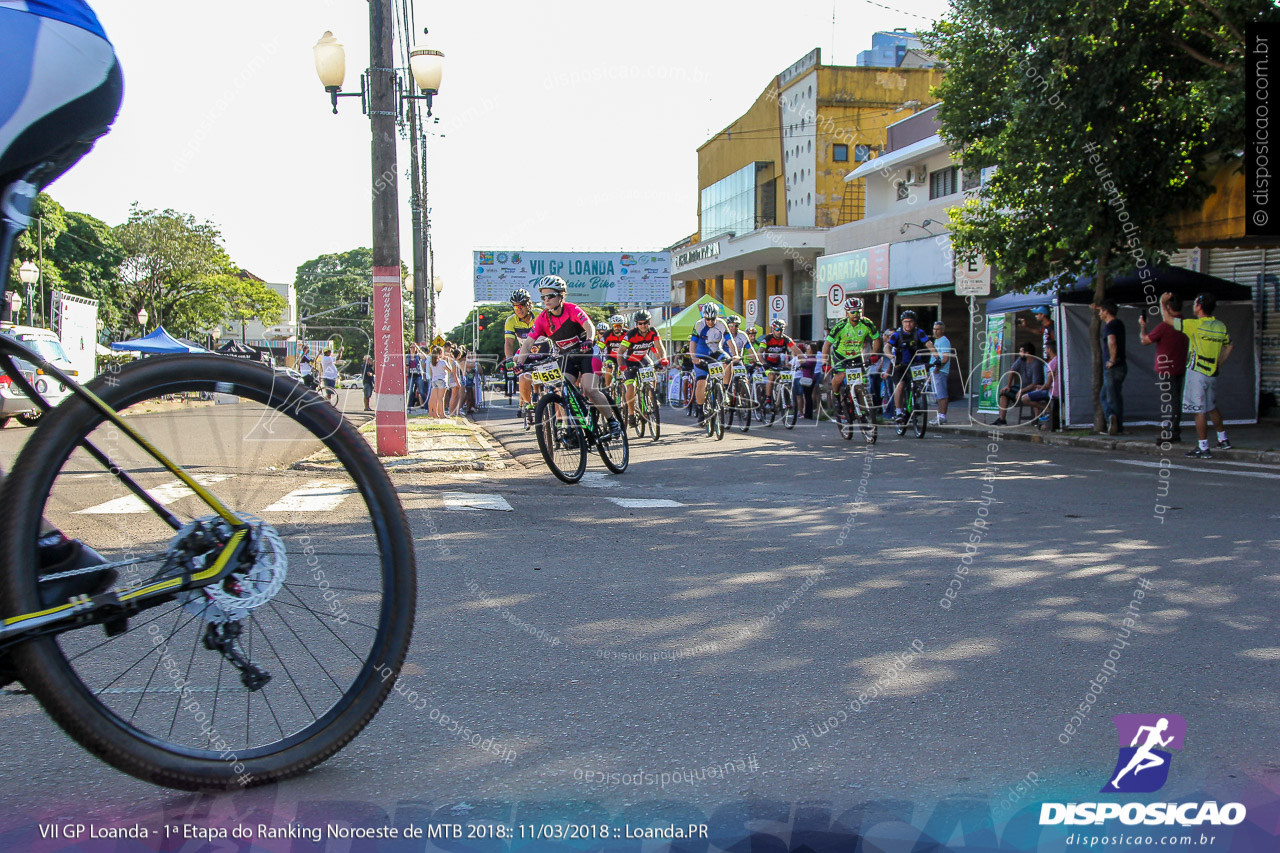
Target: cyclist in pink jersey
572, 332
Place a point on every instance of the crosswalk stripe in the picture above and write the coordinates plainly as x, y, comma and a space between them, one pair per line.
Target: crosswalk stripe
164, 494
596, 480
317, 496
473, 502
1209, 468
644, 503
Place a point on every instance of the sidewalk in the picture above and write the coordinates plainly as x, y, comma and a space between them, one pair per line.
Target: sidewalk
435, 445
1258, 442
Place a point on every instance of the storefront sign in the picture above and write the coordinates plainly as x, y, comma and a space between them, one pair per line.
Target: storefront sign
699, 253
856, 271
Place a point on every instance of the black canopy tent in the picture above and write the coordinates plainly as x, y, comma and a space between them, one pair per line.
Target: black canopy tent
239, 350
1237, 388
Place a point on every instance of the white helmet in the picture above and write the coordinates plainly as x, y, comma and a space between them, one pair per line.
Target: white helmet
616, 320
551, 282
710, 310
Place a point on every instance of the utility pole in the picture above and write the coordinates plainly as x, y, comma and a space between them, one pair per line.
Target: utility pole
387, 305
418, 206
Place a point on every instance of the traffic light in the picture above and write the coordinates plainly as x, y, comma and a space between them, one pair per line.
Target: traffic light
480, 322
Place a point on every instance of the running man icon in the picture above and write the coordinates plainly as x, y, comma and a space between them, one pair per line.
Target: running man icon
1146, 751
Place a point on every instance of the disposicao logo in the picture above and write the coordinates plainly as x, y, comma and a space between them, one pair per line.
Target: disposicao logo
1142, 767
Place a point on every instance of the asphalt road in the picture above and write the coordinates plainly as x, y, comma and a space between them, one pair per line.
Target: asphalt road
784, 618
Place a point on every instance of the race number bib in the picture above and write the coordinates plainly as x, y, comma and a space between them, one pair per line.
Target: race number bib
551, 376
647, 374
787, 376
918, 372
855, 374
715, 371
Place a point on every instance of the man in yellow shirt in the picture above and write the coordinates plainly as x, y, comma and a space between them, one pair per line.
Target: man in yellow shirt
1209, 345
515, 331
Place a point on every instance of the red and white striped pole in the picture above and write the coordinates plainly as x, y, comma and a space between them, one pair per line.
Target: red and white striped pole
391, 418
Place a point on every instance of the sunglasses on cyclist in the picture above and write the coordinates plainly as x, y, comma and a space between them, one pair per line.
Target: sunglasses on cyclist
547, 296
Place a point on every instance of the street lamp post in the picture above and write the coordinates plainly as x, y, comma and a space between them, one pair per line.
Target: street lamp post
29, 273
437, 285
13, 300
142, 319
382, 101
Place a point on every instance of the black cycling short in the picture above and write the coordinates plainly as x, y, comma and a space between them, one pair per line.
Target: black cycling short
903, 370
633, 369
577, 364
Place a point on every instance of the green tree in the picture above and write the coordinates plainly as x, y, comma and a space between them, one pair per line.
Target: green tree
246, 299
171, 266
329, 281
1100, 119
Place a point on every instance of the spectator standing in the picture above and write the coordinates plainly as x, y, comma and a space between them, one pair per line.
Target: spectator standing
1171, 365
1027, 375
439, 372
808, 369
1208, 347
454, 402
1114, 368
941, 369
1044, 324
367, 377
413, 376
329, 368
306, 369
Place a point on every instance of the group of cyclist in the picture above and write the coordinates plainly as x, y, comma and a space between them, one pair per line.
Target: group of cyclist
594, 358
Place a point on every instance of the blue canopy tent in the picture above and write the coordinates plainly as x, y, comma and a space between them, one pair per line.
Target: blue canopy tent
1237, 390
158, 342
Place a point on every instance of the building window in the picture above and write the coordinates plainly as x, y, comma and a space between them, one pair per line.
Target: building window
730, 204
943, 182
840, 153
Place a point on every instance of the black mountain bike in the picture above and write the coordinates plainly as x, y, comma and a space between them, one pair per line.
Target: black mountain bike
567, 426
740, 403
852, 406
713, 408
648, 411
915, 404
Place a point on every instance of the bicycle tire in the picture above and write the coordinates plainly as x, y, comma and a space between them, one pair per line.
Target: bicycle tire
790, 412
615, 459
744, 400
655, 415
559, 436
93, 717
641, 415
919, 412
769, 413
867, 426
717, 422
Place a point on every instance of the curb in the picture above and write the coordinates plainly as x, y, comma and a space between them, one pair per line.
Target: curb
1100, 442
411, 464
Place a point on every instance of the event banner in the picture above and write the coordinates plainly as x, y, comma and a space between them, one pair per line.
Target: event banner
999, 337
859, 270
593, 277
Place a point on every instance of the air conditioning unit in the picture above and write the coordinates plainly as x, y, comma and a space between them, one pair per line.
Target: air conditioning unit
916, 174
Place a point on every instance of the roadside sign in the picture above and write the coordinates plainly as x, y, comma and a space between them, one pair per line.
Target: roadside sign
751, 311
778, 308
835, 301
973, 278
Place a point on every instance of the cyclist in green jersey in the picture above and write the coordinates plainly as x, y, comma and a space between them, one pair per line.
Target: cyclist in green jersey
851, 339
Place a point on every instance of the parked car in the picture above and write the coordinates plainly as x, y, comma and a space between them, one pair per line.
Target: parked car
290, 372
14, 403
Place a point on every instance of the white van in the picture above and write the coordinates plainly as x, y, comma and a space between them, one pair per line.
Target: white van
13, 403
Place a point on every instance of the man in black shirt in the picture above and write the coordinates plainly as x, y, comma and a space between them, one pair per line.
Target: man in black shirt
1114, 368
366, 374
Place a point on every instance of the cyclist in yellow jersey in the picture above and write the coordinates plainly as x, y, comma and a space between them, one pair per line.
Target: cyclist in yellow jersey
1208, 346
516, 330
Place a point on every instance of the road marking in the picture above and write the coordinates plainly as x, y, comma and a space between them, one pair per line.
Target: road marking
163, 494
317, 496
470, 502
643, 503
596, 480
1208, 469
469, 476
1261, 465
